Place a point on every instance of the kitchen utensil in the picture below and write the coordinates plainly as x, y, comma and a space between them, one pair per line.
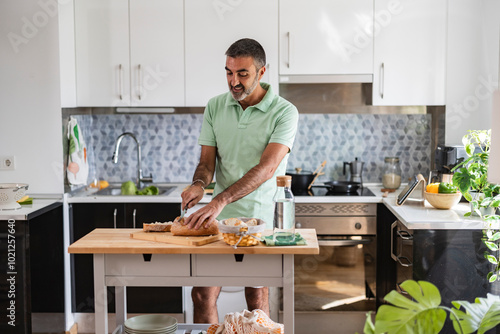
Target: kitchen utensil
317, 173
151, 323
183, 212
355, 170
167, 237
301, 179
340, 186
10, 193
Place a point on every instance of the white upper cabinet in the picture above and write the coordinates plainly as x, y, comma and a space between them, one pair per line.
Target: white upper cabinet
211, 27
129, 53
409, 52
326, 37
102, 53
157, 52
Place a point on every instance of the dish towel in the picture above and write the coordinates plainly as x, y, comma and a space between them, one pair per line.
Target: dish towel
78, 167
299, 240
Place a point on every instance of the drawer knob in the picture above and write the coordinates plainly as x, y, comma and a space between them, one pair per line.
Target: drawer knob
358, 226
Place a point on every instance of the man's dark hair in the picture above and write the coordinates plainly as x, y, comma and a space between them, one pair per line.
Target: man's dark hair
247, 47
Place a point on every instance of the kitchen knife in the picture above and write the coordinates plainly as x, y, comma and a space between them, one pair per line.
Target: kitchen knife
183, 212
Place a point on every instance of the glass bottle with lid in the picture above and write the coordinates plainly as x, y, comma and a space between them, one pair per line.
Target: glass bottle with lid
391, 174
284, 210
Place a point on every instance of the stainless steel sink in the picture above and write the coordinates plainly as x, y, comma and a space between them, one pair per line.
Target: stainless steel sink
117, 191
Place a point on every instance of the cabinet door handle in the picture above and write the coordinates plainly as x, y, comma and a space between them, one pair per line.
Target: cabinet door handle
406, 263
393, 226
120, 80
139, 88
400, 289
289, 49
133, 217
382, 80
114, 217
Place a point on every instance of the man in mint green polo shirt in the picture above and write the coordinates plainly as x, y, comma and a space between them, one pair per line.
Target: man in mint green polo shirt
246, 137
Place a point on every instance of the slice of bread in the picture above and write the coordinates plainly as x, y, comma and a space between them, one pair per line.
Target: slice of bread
234, 222
157, 227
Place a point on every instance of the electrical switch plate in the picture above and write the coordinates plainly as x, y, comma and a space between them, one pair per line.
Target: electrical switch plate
7, 162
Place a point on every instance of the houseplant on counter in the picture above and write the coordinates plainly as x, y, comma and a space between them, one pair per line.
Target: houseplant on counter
471, 177
425, 314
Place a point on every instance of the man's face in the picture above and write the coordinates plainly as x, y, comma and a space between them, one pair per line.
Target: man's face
242, 76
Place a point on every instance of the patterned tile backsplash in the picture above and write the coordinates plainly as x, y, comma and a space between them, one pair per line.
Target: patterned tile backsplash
170, 150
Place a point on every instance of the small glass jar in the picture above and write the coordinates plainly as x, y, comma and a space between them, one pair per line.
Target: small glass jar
391, 174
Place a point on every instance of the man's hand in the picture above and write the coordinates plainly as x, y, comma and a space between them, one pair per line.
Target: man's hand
205, 215
191, 196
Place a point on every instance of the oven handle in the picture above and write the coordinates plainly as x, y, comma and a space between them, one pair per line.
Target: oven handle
343, 242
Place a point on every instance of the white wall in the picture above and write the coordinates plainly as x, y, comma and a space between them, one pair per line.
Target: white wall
472, 65
30, 108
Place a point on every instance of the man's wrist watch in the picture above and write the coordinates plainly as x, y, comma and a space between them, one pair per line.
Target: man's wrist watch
199, 181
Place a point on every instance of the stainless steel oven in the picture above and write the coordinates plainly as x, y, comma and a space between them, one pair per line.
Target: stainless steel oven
341, 280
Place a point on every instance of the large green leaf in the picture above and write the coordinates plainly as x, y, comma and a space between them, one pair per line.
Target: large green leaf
463, 180
423, 315
482, 315
369, 326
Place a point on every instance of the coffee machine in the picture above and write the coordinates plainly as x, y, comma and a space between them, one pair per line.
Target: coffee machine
355, 170
446, 158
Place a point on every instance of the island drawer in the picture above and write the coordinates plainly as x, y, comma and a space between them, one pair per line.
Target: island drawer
231, 265
148, 264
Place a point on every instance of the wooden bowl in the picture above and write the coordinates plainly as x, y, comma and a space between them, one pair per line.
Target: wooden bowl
443, 201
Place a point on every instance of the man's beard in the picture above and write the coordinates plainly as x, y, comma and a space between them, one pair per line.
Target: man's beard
245, 92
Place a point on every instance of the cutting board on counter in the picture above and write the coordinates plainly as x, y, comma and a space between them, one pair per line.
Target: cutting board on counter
167, 237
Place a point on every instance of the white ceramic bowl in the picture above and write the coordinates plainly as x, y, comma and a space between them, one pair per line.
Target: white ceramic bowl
10, 193
443, 201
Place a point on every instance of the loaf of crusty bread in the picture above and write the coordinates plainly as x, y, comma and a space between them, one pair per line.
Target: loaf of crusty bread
157, 227
178, 228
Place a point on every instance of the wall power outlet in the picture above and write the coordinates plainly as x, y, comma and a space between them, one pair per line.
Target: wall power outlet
7, 162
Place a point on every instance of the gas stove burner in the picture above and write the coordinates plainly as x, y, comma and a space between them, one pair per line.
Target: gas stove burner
325, 192
336, 193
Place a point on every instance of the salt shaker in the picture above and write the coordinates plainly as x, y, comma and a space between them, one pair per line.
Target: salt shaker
391, 175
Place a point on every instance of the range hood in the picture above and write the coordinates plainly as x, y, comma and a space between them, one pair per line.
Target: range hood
332, 78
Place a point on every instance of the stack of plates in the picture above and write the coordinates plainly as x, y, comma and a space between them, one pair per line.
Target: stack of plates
151, 324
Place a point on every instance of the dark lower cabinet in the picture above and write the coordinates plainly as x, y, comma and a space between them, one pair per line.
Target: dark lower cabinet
31, 268
85, 218
452, 260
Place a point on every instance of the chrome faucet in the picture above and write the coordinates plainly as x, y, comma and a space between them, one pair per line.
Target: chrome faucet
140, 178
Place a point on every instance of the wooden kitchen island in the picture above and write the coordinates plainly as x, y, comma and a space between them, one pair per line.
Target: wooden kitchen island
121, 261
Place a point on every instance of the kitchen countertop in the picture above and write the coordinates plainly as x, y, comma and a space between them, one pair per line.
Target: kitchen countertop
30, 211
85, 196
411, 214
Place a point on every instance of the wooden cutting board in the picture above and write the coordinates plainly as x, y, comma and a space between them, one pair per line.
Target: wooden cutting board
167, 237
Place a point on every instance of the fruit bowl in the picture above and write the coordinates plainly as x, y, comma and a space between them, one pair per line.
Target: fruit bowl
10, 193
443, 201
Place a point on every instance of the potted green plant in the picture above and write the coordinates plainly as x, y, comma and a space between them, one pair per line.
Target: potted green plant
425, 314
471, 175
